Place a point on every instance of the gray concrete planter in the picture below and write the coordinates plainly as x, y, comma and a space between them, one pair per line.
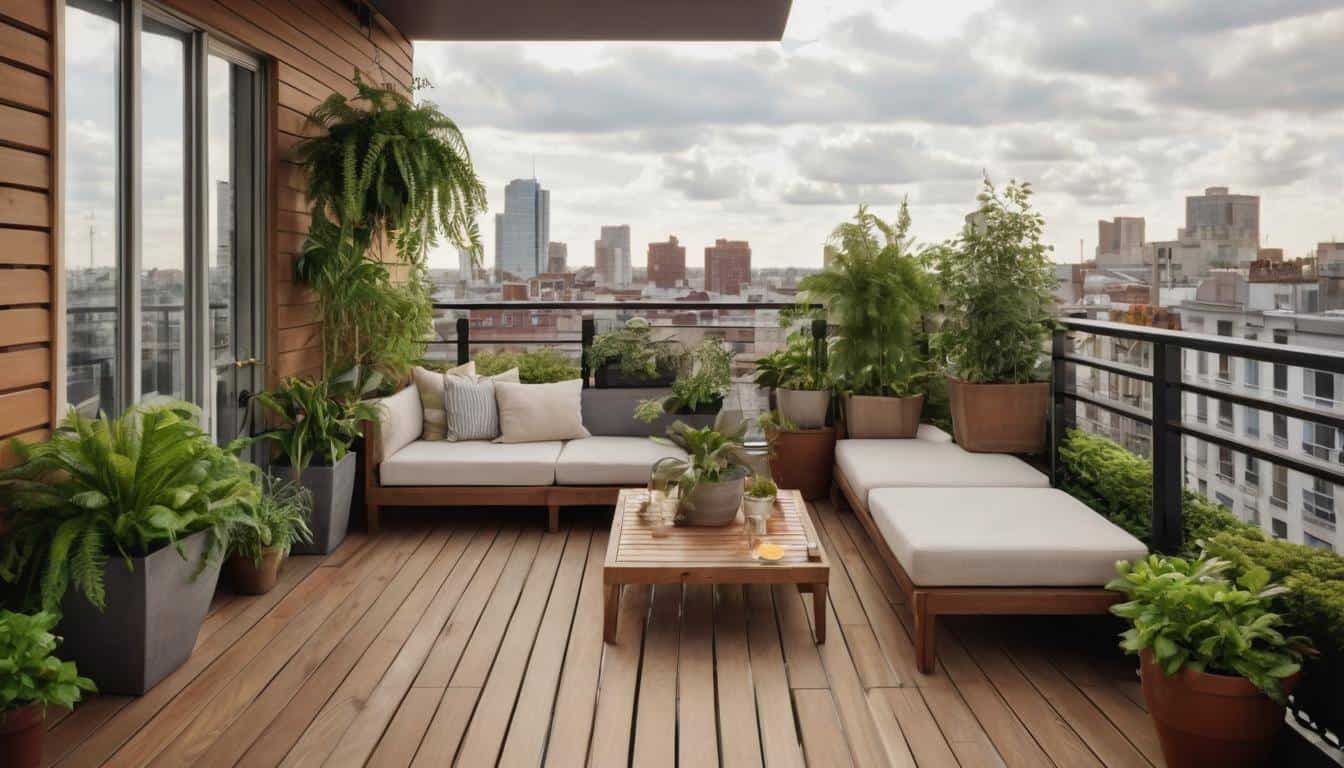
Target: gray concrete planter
332, 488
148, 629
713, 504
806, 409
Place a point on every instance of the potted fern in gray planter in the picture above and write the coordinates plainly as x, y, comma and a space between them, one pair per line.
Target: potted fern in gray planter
120, 525
319, 422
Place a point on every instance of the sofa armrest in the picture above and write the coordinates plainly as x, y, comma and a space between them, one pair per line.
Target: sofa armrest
401, 418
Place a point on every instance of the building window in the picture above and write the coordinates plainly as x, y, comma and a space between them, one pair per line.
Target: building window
1278, 528
1225, 466
1252, 474
1224, 500
1251, 418
1318, 501
1278, 492
1201, 408
1280, 370
1319, 387
1318, 439
1202, 453
1317, 542
1225, 361
1225, 414
1280, 430
1202, 363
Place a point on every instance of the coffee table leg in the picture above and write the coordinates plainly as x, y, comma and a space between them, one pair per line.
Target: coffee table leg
610, 610
819, 610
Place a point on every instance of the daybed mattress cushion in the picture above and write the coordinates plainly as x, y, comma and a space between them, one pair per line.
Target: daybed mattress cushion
999, 537
611, 460
472, 462
869, 464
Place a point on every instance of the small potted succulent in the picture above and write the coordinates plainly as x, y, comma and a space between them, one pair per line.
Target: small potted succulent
710, 481
759, 496
1215, 666
632, 357
997, 283
319, 422
279, 521
32, 679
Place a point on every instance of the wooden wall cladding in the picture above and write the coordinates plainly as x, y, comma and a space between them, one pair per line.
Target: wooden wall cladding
313, 47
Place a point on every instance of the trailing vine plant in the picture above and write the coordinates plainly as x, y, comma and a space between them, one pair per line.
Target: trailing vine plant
388, 178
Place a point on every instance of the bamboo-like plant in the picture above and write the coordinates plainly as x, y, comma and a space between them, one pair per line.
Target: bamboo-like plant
125, 486
876, 292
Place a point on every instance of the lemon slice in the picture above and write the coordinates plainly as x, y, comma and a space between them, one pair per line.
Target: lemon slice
771, 553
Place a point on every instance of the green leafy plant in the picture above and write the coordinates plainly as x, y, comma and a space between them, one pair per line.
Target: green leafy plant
762, 487
1189, 614
635, 350
319, 420
706, 376
877, 293
279, 521
996, 280
794, 366
29, 670
712, 456
382, 168
127, 486
542, 366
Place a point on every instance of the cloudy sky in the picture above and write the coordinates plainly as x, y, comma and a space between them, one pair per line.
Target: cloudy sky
1109, 110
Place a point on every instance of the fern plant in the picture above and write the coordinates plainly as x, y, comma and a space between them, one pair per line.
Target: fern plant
876, 292
125, 486
279, 521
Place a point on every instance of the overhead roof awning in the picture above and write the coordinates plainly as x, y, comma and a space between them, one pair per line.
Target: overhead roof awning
592, 20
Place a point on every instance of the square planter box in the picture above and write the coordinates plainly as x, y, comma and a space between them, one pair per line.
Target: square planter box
148, 629
332, 488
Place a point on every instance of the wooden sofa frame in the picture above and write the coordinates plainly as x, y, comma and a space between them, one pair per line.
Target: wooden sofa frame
928, 603
552, 497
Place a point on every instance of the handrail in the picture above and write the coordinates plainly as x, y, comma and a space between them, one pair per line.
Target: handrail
1283, 354
633, 305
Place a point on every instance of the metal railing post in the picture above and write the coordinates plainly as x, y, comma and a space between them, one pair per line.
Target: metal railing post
819, 342
463, 340
1061, 381
589, 330
1167, 480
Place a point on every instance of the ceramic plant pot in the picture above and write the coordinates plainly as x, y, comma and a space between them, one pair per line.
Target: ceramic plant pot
755, 506
804, 461
806, 409
999, 418
871, 416
713, 504
248, 578
21, 732
1205, 719
332, 487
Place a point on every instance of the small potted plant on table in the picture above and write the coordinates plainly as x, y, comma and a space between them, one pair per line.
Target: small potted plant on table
120, 525
1215, 667
631, 357
279, 521
318, 424
710, 481
876, 292
33, 679
997, 282
759, 497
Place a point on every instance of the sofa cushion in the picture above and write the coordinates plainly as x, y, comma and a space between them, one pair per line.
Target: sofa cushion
531, 413
869, 464
400, 421
430, 386
473, 462
611, 460
470, 411
999, 537
932, 434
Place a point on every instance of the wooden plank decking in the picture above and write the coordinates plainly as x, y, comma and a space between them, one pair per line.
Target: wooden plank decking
479, 641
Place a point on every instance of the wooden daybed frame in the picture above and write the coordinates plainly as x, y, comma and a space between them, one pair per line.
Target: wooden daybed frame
552, 497
928, 603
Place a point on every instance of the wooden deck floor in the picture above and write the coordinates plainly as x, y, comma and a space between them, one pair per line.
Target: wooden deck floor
480, 642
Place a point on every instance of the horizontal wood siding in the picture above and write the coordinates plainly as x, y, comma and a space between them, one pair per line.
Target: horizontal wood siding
314, 47
27, 221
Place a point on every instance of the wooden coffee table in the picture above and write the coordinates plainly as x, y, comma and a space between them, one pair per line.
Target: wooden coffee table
694, 555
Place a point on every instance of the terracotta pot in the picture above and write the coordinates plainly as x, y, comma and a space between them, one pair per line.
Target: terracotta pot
870, 416
805, 408
250, 579
21, 736
804, 461
1205, 719
999, 418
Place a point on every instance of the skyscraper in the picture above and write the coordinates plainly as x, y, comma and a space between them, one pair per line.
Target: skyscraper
523, 230
557, 258
727, 266
466, 267
611, 256
667, 263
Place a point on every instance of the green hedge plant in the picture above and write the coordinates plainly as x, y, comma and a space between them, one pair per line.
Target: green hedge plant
542, 366
29, 670
635, 350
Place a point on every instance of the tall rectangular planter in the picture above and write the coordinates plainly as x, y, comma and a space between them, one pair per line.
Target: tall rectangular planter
148, 629
332, 487
871, 416
999, 418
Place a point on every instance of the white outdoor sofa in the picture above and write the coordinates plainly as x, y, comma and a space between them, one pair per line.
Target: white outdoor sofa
977, 533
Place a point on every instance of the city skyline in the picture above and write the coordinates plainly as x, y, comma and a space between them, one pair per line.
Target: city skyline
1109, 112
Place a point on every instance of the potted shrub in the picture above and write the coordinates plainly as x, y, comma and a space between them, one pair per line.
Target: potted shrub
542, 366
759, 496
279, 521
876, 292
800, 459
997, 281
798, 380
710, 481
121, 524
631, 357
697, 394
318, 424
1215, 667
33, 679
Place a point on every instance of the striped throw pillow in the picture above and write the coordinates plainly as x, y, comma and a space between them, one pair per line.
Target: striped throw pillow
469, 407
430, 385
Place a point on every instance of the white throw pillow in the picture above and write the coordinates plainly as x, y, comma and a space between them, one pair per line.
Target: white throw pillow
531, 413
430, 385
470, 412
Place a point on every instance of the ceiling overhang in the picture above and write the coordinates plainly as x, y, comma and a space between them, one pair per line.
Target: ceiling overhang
588, 20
